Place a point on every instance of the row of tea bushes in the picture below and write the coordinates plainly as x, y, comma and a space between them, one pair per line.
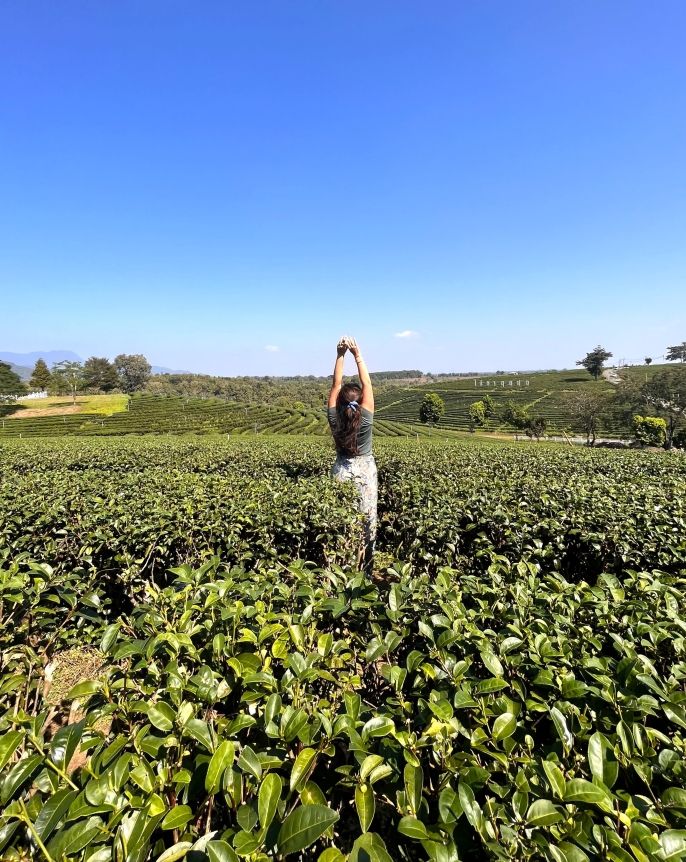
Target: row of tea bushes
484, 701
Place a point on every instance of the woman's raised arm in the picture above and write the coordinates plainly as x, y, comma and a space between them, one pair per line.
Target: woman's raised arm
341, 347
367, 397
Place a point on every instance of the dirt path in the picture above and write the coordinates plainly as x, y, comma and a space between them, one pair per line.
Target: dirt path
611, 375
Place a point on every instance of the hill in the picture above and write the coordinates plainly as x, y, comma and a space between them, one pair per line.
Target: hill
544, 394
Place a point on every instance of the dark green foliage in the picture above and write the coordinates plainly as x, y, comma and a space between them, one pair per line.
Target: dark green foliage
513, 690
99, 374
432, 408
477, 415
677, 352
10, 383
594, 361
133, 371
40, 378
650, 430
664, 393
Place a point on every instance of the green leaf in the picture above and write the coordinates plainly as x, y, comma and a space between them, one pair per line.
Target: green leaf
249, 762
9, 743
369, 848
220, 761
331, 854
200, 731
413, 828
377, 726
161, 715
414, 782
674, 797
563, 731
52, 812
220, 851
65, 742
676, 714
18, 775
504, 726
572, 853
365, 804
369, 763
312, 794
177, 817
304, 826
673, 844
178, 851
109, 637
580, 790
492, 663
301, 768
70, 841
268, 799
555, 778
85, 689
542, 813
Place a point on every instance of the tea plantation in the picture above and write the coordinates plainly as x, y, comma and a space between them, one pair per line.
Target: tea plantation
155, 414
193, 668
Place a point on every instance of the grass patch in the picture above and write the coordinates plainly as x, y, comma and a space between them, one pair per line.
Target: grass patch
102, 405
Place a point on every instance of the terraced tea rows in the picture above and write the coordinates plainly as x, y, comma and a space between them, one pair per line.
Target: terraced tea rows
191, 667
151, 414
544, 394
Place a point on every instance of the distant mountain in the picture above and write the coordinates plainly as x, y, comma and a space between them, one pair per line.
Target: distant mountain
23, 372
28, 360
160, 369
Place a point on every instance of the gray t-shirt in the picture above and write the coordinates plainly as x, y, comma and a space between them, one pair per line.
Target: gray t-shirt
364, 435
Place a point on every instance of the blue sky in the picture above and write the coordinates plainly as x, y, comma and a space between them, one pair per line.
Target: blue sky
505, 180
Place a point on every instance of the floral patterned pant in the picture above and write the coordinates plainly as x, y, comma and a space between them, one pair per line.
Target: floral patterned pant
361, 471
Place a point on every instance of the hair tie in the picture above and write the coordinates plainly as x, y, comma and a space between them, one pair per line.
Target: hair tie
354, 405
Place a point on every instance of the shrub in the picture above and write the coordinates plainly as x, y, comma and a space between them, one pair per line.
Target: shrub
650, 430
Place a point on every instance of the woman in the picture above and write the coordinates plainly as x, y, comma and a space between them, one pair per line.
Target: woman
351, 417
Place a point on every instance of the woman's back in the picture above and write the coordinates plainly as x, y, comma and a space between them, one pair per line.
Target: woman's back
364, 432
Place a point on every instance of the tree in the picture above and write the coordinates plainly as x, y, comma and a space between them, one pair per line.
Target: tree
10, 383
664, 394
532, 426
489, 407
586, 410
432, 408
648, 360
677, 352
100, 374
477, 415
515, 416
41, 377
133, 370
67, 376
535, 427
650, 430
593, 362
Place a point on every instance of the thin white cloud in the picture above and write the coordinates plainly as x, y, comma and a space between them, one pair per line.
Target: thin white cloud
272, 348
407, 333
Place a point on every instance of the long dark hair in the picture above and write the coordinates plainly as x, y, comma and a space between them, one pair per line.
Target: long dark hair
349, 417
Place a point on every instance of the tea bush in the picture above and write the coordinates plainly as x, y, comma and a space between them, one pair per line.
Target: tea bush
513, 687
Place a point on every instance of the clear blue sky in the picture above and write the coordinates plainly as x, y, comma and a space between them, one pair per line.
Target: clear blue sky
201, 181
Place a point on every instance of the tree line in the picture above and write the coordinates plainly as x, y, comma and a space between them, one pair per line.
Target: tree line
125, 373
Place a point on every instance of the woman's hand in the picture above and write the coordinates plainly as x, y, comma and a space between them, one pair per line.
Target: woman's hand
353, 348
341, 347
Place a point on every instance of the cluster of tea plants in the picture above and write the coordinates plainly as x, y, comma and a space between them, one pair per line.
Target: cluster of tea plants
192, 666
